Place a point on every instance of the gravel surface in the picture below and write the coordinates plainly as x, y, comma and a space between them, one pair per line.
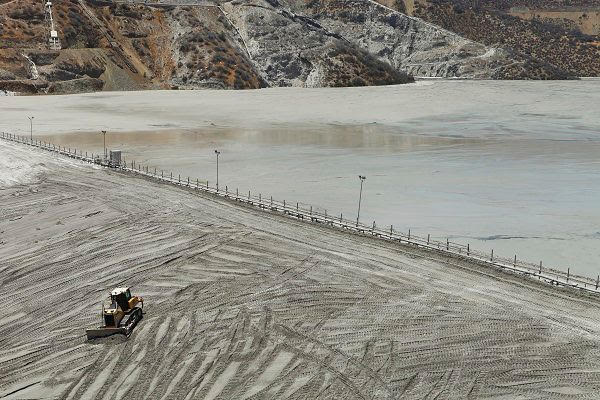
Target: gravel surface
246, 304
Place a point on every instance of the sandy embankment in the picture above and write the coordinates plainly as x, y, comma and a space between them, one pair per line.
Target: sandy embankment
242, 303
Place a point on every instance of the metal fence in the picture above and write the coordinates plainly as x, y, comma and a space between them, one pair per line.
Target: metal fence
310, 214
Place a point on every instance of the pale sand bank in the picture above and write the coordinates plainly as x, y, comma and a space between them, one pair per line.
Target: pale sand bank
243, 303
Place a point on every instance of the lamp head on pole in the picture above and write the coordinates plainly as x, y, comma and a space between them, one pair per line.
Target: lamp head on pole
217, 152
362, 177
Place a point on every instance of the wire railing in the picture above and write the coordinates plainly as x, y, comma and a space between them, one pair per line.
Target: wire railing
312, 214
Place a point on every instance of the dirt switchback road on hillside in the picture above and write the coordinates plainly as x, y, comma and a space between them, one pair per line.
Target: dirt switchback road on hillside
244, 304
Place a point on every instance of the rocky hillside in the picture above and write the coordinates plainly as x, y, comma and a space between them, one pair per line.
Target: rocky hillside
421, 48
107, 46
237, 45
555, 32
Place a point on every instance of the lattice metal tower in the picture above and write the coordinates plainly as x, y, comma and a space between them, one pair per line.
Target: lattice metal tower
54, 41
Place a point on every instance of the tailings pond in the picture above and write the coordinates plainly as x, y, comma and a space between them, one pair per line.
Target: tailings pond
509, 166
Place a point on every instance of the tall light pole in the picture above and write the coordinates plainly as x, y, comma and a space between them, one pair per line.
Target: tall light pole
362, 179
217, 152
104, 134
31, 128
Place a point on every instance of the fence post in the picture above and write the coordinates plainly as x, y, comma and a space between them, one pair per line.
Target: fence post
540, 274
515, 261
373, 227
188, 181
296, 206
492, 256
197, 183
284, 205
447, 244
568, 273
179, 179
391, 230
162, 174
207, 184
260, 200
468, 249
597, 281
237, 193
271, 201
248, 195
311, 210
226, 191
409, 234
428, 237
341, 215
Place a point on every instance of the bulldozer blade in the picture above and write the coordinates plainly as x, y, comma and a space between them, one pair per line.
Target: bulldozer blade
104, 332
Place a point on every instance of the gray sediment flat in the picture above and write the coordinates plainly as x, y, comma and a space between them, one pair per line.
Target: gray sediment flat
247, 304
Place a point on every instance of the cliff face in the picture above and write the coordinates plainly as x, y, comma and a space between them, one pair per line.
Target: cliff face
421, 48
236, 45
290, 49
560, 33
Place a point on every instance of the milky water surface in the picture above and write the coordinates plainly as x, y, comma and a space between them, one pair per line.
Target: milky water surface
512, 166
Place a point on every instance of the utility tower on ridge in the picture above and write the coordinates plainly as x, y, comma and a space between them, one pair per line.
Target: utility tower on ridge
54, 41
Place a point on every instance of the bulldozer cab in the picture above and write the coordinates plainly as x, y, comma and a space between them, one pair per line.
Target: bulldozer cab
121, 296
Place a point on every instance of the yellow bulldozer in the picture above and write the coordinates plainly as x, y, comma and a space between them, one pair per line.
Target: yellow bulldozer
121, 316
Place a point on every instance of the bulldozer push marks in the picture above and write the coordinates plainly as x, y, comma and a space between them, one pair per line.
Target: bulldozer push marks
248, 303
528, 270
